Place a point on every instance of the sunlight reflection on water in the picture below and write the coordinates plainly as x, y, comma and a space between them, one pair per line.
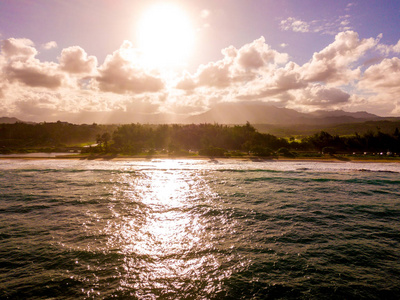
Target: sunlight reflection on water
164, 240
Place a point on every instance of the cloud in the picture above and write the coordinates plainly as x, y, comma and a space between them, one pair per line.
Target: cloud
257, 72
238, 66
18, 48
215, 75
34, 74
350, 72
143, 106
295, 25
383, 77
380, 87
288, 78
2, 90
75, 60
33, 107
22, 67
119, 74
41, 90
396, 48
389, 49
331, 27
321, 96
50, 45
278, 83
258, 54
334, 63
349, 6
186, 82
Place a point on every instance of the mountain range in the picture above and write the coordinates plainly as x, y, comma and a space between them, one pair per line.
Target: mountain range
240, 113
9, 120
261, 113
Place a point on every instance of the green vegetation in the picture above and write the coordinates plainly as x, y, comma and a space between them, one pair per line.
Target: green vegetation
206, 139
345, 129
212, 140
48, 137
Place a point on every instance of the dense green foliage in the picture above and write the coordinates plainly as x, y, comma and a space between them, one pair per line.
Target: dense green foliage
209, 139
205, 139
18, 136
368, 142
345, 129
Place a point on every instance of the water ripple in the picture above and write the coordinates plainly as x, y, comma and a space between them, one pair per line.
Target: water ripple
193, 229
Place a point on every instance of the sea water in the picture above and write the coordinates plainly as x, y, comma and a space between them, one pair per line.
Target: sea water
199, 229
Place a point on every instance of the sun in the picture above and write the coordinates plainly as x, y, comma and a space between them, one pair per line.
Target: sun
165, 36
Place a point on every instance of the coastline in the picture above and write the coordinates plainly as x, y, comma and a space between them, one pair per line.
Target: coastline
40, 156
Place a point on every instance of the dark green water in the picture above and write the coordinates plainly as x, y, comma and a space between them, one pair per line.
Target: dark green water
195, 229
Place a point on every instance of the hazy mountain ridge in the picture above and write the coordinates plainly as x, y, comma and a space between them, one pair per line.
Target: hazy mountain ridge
342, 113
260, 113
235, 113
9, 120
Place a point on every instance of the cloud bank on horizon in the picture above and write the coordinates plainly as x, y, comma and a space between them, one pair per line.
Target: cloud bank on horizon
350, 72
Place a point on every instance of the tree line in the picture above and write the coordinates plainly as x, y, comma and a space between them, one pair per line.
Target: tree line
205, 139
19, 136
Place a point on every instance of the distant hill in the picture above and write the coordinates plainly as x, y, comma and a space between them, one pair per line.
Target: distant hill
8, 120
269, 117
384, 126
341, 113
262, 113
240, 113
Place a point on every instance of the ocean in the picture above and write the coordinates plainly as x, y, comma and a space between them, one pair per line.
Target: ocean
199, 229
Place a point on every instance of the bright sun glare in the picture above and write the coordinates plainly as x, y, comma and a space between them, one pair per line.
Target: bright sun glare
165, 35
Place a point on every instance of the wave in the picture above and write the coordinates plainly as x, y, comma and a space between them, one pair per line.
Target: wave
199, 230
379, 171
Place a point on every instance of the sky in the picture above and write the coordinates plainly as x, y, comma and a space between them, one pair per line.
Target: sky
122, 61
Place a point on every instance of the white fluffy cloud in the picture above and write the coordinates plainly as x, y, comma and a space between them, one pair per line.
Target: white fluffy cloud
50, 45
319, 95
76, 86
119, 74
239, 66
334, 63
18, 48
22, 67
388, 49
75, 60
383, 77
32, 73
39, 90
257, 72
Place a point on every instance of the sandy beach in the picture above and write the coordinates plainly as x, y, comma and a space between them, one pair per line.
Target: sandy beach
43, 156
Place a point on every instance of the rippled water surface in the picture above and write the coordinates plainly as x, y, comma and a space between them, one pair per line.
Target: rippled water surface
198, 229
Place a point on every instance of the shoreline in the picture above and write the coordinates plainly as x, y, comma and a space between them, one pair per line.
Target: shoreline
244, 158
